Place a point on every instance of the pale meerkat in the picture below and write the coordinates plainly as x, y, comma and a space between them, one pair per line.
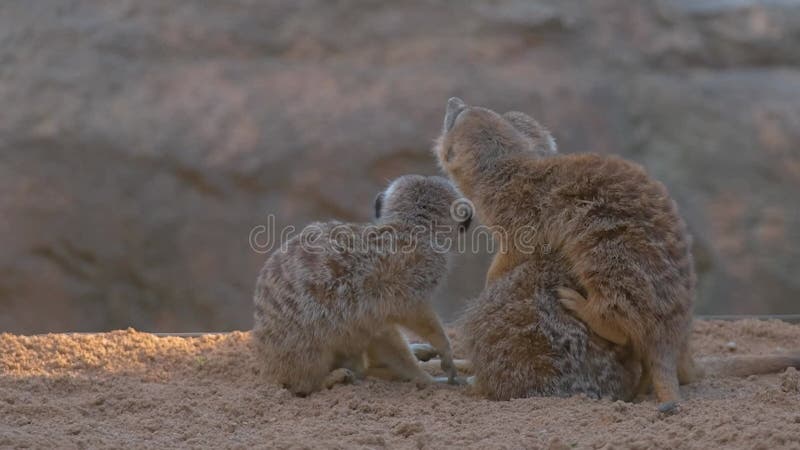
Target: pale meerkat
602, 238
329, 303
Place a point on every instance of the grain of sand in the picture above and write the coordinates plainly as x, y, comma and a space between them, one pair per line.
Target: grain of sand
131, 389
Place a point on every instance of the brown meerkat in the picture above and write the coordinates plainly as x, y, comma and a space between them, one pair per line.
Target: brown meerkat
600, 236
329, 303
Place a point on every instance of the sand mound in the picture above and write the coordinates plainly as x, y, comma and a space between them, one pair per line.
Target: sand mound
131, 389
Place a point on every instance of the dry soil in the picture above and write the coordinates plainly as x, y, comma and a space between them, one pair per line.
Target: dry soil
131, 389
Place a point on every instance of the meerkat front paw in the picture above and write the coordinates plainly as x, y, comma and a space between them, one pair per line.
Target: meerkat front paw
578, 305
571, 299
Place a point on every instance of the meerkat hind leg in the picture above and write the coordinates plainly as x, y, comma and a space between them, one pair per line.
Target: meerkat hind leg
309, 372
645, 381
354, 362
339, 376
425, 323
573, 301
390, 358
688, 371
664, 376
383, 373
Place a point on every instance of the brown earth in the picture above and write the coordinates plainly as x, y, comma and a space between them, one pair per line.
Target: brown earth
131, 389
141, 141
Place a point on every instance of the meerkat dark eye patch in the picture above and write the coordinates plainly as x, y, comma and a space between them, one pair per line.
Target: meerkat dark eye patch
378, 205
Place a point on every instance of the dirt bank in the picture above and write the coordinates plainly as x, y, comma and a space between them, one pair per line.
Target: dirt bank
131, 389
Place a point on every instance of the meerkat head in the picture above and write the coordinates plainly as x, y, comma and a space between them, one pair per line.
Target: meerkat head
425, 201
473, 138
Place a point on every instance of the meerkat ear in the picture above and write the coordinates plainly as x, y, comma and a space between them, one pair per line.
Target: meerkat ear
543, 141
455, 106
378, 205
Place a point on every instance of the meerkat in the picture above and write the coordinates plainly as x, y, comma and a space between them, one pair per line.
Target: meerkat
328, 305
603, 239
522, 343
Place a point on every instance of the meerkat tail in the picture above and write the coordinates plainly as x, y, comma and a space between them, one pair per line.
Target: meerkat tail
742, 366
423, 352
462, 365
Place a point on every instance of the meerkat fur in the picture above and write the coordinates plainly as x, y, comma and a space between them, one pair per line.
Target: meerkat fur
616, 230
329, 303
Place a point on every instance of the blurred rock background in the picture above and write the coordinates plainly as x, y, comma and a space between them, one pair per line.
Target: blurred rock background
141, 141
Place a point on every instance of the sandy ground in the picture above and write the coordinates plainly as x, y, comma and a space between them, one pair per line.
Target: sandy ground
131, 389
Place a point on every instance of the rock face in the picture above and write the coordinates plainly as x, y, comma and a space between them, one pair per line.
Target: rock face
142, 141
